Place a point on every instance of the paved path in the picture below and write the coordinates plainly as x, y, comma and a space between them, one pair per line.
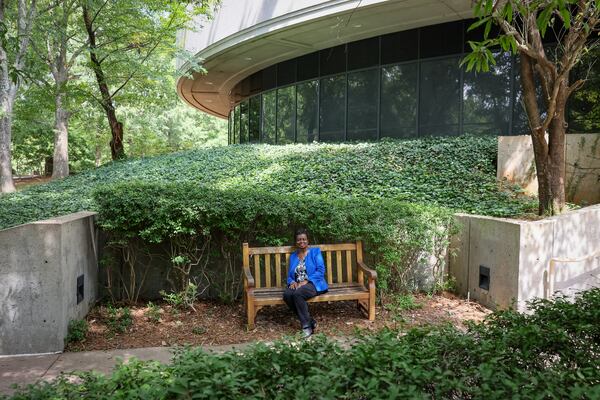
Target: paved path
23, 370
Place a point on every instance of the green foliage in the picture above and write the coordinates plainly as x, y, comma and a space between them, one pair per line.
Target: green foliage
397, 196
396, 234
76, 331
118, 319
153, 312
403, 302
551, 353
182, 299
457, 173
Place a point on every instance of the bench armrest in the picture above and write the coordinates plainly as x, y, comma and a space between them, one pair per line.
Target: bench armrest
371, 273
248, 276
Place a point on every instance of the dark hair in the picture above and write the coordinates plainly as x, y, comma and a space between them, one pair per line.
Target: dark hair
300, 231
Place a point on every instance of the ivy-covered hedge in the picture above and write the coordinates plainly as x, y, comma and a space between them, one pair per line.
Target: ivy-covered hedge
397, 235
458, 173
553, 353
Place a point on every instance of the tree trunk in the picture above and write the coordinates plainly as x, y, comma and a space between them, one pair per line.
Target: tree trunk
549, 153
556, 154
7, 184
116, 128
60, 163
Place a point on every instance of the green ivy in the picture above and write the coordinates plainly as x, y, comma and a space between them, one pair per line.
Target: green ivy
457, 173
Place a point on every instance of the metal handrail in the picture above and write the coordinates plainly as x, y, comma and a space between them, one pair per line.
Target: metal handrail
552, 268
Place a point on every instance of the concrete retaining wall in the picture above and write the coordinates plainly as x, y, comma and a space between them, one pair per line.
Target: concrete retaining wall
519, 254
39, 268
582, 157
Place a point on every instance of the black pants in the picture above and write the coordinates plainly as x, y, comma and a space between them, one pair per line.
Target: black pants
296, 301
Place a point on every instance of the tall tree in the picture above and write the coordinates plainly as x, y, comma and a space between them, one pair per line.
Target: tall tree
123, 38
61, 47
14, 44
525, 27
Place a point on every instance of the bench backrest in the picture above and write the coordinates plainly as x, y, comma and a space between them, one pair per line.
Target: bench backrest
269, 265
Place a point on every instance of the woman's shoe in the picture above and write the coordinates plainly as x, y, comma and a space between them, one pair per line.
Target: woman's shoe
313, 325
307, 332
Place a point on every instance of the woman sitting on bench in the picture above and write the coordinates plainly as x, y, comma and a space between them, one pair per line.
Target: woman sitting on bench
306, 279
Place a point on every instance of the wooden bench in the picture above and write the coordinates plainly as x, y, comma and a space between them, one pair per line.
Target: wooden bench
266, 271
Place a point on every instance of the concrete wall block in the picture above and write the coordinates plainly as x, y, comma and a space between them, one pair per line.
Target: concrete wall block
494, 244
458, 254
516, 163
577, 233
537, 238
36, 297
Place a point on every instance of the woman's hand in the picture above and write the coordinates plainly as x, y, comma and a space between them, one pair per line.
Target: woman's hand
293, 285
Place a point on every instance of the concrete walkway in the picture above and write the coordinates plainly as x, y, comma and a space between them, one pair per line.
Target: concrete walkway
24, 370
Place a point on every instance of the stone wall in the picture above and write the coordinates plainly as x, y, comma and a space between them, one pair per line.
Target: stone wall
518, 254
40, 264
582, 156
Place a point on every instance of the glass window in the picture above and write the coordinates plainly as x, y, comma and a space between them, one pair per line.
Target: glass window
401, 46
442, 39
399, 100
269, 107
332, 110
286, 115
236, 124
254, 123
308, 66
363, 102
363, 54
440, 96
584, 104
256, 83
307, 121
333, 60
486, 99
244, 122
269, 77
286, 72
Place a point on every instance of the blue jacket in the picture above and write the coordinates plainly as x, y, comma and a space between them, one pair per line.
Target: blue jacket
315, 268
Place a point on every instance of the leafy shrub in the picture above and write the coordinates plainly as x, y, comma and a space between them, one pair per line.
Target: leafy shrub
457, 173
397, 235
183, 299
552, 353
153, 312
118, 319
403, 302
77, 330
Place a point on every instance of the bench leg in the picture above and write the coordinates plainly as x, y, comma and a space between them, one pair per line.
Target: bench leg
371, 300
251, 313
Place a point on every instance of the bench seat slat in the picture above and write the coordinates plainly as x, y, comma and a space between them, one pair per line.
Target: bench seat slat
346, 292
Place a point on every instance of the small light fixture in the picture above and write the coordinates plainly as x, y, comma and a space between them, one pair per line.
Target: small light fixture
208, 100
208, 83
248, 58
357, 26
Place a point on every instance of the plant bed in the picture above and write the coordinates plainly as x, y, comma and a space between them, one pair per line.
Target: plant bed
215, 323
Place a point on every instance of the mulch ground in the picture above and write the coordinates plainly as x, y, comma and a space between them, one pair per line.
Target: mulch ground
216, 324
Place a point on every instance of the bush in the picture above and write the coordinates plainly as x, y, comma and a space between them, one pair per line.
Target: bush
398, 236
76, 331
119, 318
552, 353
458, 173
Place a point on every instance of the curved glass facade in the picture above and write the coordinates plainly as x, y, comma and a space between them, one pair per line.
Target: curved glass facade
401, 85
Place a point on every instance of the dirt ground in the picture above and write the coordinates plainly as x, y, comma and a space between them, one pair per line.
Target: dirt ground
23, 182
215, 324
